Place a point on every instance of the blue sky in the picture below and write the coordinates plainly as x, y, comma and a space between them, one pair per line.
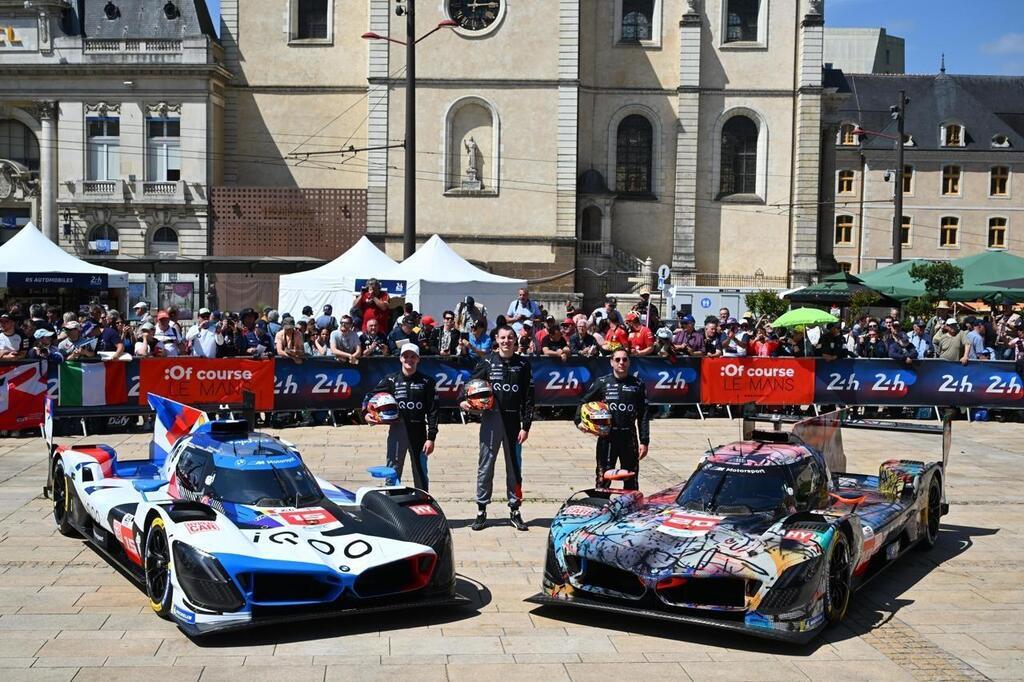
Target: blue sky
978, 36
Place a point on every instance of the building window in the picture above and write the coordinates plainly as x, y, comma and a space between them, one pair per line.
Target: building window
633, 154
637, 21
908, 179
18, 143
844, 183
165, 241
847, 137
311, 20
999, 181
905, 231
845, 266
741, 22
590, 224
739, 157
949, 232
103, 148
844, 229
163, 149
953, 135
997, 233
1000, 140
950, 180
103, 241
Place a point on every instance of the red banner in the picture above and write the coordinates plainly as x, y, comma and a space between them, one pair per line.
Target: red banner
22, 396
203, 381
765, 381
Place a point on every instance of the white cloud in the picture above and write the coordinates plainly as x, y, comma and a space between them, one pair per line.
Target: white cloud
1008, 43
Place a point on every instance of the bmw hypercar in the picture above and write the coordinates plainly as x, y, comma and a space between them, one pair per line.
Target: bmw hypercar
226, 528
762, 538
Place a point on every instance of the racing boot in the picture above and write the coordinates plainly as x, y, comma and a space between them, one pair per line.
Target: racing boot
516, 519
481, 519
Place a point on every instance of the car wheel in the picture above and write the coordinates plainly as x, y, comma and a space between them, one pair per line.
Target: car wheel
932, 515
156, 563
62, 501
837, 586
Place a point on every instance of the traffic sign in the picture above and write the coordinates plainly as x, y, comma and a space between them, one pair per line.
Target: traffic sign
663, 272
661, 283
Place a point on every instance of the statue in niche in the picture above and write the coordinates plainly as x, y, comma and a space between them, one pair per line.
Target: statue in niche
472, 179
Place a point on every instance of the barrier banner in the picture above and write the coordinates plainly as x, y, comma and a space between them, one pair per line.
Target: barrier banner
930, 382
22, 395
202, 380
765, 381
668, 382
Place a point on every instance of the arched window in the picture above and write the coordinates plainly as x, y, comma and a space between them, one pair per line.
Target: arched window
18, 143
739, 157
103, 240
590, 224
165, 240
633, 155
637, 20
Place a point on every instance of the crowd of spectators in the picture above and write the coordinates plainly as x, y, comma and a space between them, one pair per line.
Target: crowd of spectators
371, 327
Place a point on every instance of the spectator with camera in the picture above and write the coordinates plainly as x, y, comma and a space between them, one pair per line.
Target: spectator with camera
372, 304
374, 343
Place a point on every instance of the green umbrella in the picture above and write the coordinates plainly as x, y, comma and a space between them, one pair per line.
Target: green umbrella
802, 317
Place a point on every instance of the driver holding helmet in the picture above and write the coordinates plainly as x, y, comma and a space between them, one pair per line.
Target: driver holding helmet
416, 427
626, 398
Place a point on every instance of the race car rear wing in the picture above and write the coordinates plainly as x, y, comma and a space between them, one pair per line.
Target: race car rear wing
824, 431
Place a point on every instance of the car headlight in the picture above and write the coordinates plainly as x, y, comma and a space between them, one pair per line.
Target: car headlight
207, 585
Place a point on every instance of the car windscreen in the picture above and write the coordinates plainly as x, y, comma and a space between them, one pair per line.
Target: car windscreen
737, 490
272, 487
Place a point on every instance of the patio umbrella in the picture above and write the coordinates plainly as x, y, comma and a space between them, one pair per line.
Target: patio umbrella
894, 281
836, 288
802, 317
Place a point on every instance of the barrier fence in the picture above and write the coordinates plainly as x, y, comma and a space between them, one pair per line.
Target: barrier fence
110, 388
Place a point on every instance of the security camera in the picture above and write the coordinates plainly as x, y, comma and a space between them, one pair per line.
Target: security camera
887, 176
400, 11
129, 84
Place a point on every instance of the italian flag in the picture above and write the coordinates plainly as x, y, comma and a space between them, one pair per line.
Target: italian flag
85, 384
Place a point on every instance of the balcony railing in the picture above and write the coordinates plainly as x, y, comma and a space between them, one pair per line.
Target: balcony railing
99, 187
134, 46
159, 188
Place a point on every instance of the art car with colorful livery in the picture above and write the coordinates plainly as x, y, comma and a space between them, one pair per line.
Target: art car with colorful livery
226, 528
768, 536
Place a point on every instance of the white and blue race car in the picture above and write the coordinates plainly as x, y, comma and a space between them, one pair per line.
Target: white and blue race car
226, 528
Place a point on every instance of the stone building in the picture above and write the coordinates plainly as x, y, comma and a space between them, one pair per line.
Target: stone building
963, 150
864, 50
557, 139
110, 119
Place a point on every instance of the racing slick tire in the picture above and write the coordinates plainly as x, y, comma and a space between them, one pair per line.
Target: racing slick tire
932, 515
156, 563
839, 572
62, 504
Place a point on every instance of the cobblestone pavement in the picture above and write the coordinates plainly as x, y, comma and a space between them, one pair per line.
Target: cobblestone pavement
953, 613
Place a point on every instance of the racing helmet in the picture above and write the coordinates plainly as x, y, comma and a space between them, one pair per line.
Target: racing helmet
479, 395
380, 408
596, 419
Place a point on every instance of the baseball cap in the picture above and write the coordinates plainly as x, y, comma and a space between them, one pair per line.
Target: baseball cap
409, 348
73, 324
731, 320
5, 316
568, 321
146, 327
204, 311
246, 311
287, 321
688, 319
427, 319
162, 315
328, 308
141, 304
527, 323
40, 333
952, 321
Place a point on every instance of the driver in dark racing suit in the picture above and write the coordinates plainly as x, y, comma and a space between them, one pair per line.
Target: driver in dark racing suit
416, 428
507, 426
626, 397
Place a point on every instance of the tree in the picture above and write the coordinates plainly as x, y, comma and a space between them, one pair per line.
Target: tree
939, 279
919, 308
766, 302
859, 300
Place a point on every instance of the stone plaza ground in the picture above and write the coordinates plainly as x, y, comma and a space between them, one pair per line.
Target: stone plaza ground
956, 612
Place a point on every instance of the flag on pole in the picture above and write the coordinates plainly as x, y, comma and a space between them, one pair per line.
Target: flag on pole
86, 384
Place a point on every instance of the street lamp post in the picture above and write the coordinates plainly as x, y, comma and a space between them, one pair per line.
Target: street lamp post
409, 229
898, 112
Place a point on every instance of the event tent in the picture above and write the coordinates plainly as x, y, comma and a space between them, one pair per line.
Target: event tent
988, 276
437, 279
335, 282
30, 260
838, 287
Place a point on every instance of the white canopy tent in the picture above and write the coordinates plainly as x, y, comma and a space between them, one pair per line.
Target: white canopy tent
30, 260
437, 278
335, 282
